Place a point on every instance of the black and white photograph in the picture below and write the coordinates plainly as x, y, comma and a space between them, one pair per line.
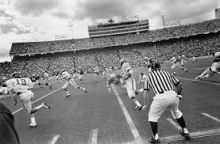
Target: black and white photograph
109, 72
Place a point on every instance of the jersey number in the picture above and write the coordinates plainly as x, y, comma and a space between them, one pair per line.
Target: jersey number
21, 82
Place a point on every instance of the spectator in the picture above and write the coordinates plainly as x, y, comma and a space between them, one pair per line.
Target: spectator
8, 133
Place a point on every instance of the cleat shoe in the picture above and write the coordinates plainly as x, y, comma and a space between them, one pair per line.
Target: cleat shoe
68, 95
144, 107
136, 92
185, 135
138, 107
154, 141
33, 125
47, 106
84, 89
198, 78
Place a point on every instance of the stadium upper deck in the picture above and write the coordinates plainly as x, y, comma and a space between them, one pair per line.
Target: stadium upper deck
31, 48
113, 28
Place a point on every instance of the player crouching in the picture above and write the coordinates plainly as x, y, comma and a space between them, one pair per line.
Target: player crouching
70, 81
210, 71
20, 87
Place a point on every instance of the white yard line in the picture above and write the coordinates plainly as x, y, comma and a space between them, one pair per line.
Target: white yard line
172, 122
131, 124
54, 139
38, 100
198, 134
211, 117
191, 68
200, 81
93, 136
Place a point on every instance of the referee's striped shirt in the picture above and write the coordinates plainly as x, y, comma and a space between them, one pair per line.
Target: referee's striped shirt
160, 81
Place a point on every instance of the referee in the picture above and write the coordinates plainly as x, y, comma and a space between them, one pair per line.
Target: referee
162, 84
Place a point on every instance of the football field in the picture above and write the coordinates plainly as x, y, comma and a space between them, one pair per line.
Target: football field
103, 117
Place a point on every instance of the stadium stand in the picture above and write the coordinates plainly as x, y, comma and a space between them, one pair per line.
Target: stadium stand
191, 40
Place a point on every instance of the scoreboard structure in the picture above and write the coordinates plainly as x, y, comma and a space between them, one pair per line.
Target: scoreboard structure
110, 27
217, 13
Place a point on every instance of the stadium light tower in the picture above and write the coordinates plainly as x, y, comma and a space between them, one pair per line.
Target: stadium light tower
163, 18
70, 25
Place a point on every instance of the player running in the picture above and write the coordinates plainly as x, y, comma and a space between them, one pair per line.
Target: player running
178, 61
35, 78
210, 71
97, 71
70, 81
129, 83
20, 87
80, 73
148, 63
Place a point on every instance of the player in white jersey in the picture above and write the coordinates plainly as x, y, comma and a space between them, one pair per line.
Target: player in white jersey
70, 81
97, 71
46, 77
129, 83
210, 71
142, 78
80, 73
178, 61
20, 87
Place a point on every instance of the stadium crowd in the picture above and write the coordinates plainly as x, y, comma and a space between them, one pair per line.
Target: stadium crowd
211, 26
190, 40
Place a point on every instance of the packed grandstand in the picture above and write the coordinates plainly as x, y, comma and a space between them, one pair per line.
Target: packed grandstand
190, 40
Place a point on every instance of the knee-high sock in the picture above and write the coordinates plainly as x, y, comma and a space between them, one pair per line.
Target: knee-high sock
154, 127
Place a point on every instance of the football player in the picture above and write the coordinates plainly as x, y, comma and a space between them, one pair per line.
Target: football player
178, 61
21, 87
46, 79
70, 81
129, 83
210, 71
35, 79
148, 63
142, 78
80, 73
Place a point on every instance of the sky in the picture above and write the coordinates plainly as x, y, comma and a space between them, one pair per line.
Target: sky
42, 20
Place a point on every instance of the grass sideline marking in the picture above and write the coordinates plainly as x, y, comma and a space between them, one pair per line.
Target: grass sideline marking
138, 139
38, 99
93, 136
54, 139
212, 117
172, 122
198, 134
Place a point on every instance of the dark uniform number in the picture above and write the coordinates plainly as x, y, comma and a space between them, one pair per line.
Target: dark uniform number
21, 82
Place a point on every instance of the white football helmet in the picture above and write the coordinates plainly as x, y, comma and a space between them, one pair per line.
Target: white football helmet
217, 54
